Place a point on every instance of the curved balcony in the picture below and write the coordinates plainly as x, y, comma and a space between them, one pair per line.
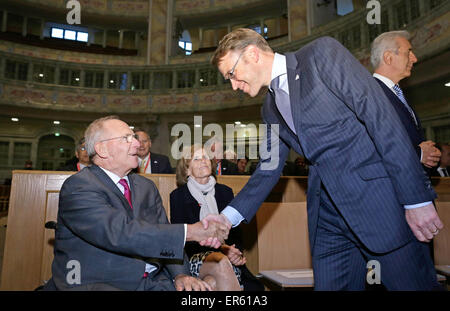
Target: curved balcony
120, 85
98, 7
140, 7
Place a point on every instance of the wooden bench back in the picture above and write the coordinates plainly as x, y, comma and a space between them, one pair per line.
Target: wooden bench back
276, 238
28, 252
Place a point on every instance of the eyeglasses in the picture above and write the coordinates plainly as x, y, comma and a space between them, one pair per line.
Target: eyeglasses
128, 138
230, 74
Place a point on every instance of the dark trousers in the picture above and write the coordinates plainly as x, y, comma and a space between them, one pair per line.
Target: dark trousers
340, 259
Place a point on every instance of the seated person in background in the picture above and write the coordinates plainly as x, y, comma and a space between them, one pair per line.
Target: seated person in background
230, 155
150, 162
222, 165
296, 168
81, 159
242, 165
300, 168
197, 196
113, 227
443, 168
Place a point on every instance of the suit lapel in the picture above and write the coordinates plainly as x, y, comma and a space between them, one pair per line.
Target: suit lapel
154, 164
393, 98
294, 81
133, 184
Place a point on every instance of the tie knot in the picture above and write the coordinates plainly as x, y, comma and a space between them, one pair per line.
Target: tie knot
397, 88
124, 183
274, 84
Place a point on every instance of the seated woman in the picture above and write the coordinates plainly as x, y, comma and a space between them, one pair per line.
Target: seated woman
199, 195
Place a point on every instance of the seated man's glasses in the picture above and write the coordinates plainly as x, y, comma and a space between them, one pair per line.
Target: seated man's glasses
128, 138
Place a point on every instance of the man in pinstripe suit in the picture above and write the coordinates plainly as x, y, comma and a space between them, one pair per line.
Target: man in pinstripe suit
368, 198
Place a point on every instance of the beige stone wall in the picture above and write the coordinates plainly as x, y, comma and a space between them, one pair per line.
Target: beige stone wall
158, 34
187, 7
116, 7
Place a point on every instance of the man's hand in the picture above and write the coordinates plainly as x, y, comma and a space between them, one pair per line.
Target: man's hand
234, 255
189, 283
219, 219
424, 222
430, 154
207, 233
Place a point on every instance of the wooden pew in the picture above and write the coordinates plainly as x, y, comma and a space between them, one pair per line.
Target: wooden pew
34, 199
284, 257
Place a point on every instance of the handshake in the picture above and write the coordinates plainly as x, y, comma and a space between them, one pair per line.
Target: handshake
211, 231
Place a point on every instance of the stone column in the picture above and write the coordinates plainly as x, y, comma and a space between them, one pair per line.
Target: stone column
41, 36
30, 72
137, 41
297, 14
57, 74
149, 32
34, 152
4, 20
423, 7
10, 153
162, 142
200, 37
121, 38
156, 45
24, 26
169, 29
174, 79
105, 79
278, 25
104, 38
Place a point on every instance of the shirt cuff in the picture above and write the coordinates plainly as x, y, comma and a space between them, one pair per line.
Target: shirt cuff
421, 155
185, 233
417, 205
233, 215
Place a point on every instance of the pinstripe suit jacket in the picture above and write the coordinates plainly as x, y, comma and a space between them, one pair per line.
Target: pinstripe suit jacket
349, 131
414, 131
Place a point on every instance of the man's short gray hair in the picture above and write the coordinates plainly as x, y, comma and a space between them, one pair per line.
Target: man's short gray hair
94, 133
385, 42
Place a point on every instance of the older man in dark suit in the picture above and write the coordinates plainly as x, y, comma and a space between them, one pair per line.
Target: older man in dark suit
392, 59
363, 203
113, 231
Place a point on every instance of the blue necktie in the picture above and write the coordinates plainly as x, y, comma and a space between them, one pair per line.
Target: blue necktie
283, 103
402, 98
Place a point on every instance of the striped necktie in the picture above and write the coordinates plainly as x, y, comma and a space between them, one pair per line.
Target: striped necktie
402, 98
283, 103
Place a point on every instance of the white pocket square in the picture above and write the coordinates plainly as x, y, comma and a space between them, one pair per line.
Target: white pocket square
297, 77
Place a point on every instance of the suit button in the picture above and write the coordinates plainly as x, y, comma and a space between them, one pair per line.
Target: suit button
318, 192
